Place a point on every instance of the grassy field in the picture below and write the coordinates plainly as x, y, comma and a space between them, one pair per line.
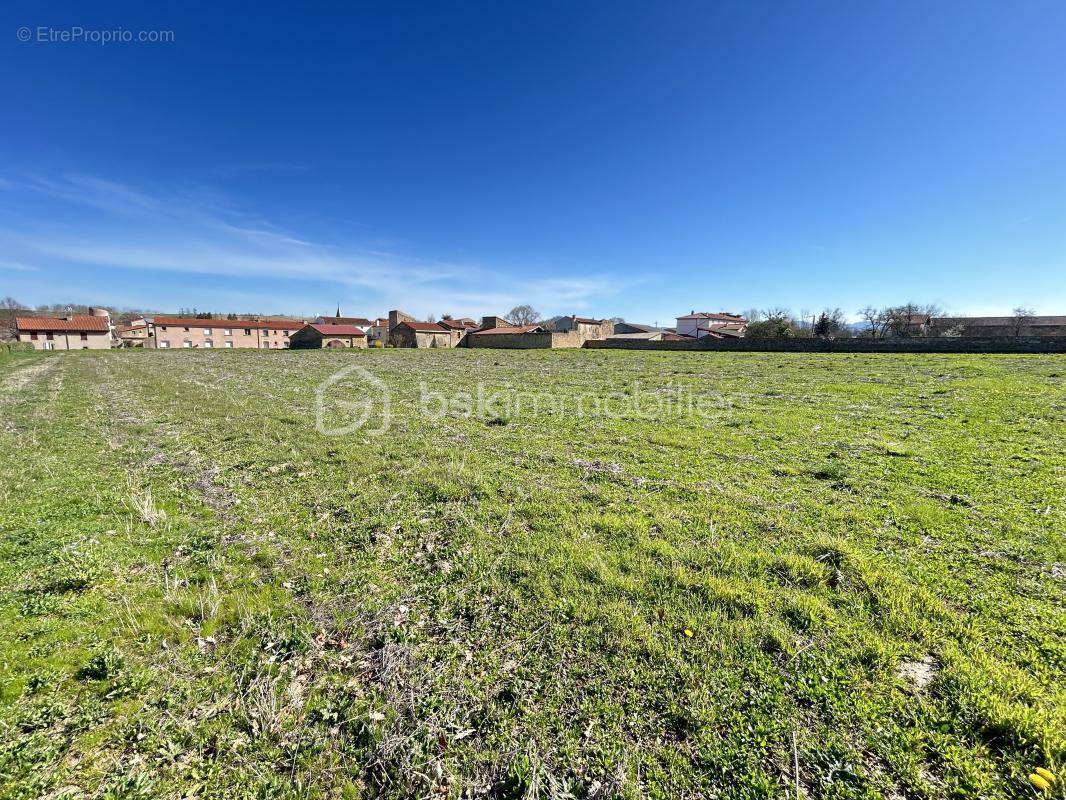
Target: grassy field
838, 575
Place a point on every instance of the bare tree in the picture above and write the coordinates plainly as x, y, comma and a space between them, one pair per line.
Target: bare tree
910, 319
9, 306
751, 314
875, 321
1020, 319
523, 315
829, 323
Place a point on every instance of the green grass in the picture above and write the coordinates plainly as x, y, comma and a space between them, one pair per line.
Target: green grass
201, 595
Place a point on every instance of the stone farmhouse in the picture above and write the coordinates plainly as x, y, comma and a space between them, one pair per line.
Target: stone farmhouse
584, 327
75, 332
328, 335
412, 333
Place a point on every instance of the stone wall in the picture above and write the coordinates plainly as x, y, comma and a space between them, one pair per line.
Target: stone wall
574, 338
1021, 344
511, 341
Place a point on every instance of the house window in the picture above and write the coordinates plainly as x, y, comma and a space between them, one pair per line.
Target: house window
164, 344
207, 331
185, 329
49, 345
33, 336
247, 331
208, 343
186, 343
49, 336
162, 327
85, 337
266, 344
227, 332
286, 344
229, 344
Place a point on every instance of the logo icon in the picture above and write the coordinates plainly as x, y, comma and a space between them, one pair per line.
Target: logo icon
346, 401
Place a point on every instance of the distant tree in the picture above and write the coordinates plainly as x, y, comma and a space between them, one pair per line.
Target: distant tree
446, 316
829, 323
8, 308
775, 322
1020, 319
431, 318
777, 328
909, 319
875, 321
751, 314
618, 320
523, 315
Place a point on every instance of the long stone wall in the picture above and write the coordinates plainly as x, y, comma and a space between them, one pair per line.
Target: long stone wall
511, 341
1022, 344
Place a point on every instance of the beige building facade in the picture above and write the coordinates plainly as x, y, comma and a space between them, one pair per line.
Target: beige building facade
76, 332
172, 333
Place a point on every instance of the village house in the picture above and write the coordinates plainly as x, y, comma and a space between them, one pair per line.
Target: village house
459, 328
75, 332
584, 327
406, 331
412, 333
722, 325
328, 335
133, 334
167, 333
377, 333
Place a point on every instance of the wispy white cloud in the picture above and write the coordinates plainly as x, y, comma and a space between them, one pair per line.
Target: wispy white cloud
197, 231
17, 266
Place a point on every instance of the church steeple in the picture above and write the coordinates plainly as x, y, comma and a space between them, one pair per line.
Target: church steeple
338, 310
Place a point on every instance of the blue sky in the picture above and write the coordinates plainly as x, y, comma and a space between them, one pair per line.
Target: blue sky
616, 158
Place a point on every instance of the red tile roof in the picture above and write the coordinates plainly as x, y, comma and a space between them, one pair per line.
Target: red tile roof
79, 322
511, 329
457, 324
361, 322
423, 327
189, 322
338, 330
